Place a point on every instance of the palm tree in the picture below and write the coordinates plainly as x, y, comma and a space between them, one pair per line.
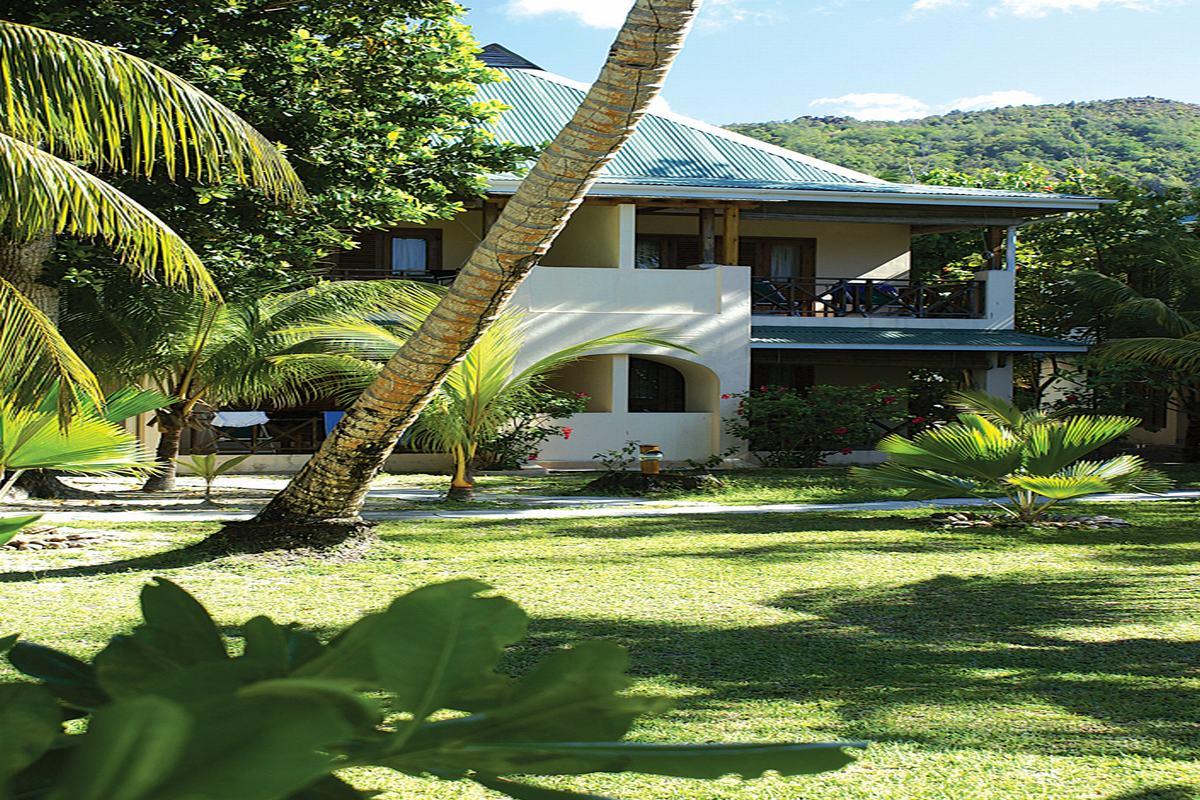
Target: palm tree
206, 354
1176, 347
333, 484
473, 402
1032, 459
65, 102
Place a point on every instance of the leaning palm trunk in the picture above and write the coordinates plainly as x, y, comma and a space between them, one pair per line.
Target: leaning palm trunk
333, 484
21, 264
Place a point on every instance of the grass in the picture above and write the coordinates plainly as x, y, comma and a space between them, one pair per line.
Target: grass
1054, 665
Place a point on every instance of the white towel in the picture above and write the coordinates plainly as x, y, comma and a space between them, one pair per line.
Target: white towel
240, 419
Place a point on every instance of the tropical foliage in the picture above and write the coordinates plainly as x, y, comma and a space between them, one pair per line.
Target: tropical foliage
1033, 460
1149, 140
373, 102
89, 443
171, 715
791, 428
476, 403
207, 355
209, 467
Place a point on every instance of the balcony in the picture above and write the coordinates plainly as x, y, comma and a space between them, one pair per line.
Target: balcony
830, 298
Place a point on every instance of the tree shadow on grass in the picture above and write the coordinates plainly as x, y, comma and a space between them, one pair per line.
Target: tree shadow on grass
1176, 792
950, 662
191, 555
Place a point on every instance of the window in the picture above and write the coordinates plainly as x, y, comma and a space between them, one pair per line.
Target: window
667, 252
779, 258
656, 388
415, 252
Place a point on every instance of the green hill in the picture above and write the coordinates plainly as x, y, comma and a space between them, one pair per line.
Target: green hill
1144, 137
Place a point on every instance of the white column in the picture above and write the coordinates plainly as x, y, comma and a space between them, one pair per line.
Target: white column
620, 384
999, 298
627, 213
997, 379
1010, 250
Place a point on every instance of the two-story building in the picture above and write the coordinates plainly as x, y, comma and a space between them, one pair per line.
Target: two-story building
775, 267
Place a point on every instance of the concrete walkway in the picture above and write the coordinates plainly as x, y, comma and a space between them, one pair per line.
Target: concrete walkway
577, 508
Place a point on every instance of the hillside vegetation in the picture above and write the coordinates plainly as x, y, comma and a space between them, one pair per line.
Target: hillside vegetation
1149, 139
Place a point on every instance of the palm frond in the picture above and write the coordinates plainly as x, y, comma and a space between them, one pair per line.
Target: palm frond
90, 445
1123, 300
1059, 487
922, 484
1127, 472
639, 337
99, 105
40, 193
1179, 354
1052, 446
34, 357
977, 450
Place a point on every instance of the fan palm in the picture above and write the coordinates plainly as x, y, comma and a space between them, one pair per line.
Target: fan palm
208, 355
1032, 459
65, 102
92, 443
474, 401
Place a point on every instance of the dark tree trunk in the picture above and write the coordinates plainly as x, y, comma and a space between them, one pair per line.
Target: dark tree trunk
1191, 436
21, 264
170, 423
41, 484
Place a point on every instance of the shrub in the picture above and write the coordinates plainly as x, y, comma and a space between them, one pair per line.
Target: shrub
1032, 459
170, 715
533, 417
793, 428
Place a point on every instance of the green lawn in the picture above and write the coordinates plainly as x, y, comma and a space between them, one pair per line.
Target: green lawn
983, 665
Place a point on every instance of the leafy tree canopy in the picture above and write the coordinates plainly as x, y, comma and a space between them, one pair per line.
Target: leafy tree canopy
1148, 139
372, 100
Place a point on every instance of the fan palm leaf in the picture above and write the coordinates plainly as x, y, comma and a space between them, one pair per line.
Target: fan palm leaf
972, 448
40, 192
1052, 446
922, 484
96, 104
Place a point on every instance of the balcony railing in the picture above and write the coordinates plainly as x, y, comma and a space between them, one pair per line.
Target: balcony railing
443, 277
865, 297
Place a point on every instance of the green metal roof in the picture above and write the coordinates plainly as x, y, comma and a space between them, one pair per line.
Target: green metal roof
669, 150
811, 337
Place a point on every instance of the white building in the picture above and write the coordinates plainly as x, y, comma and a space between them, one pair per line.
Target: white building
777, 268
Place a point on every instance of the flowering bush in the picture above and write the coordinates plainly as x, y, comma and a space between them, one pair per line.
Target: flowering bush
534, 416
793, 428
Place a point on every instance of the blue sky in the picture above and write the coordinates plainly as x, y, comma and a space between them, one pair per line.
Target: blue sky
754, 60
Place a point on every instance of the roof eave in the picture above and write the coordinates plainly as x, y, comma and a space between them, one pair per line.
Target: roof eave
743, 194
961, 348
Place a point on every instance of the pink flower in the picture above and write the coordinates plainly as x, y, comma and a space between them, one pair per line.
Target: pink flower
582, 395
887, 401
566, 432
847, 451
762, 388
874, 387
918, 420
841, 431
726, 397
533, 456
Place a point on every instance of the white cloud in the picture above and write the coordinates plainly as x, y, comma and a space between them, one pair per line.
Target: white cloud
1040, 8
595, 13
611, 13
874, 105
1010, 97
934, 5
891, 106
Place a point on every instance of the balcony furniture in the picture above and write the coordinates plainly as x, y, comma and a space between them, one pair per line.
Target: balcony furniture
867, 297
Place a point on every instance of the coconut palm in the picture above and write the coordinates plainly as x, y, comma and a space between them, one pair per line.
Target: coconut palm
207, 355
473, 402
333, 484
1174, 344
1032, 459
66, 102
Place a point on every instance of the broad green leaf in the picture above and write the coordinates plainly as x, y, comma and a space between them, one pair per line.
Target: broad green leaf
129, 748
11, 526
179, 619
29, 724
267, 643
349, 655
358, 710
257, 747
6, 642
438, 640
229, 463
71, 680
